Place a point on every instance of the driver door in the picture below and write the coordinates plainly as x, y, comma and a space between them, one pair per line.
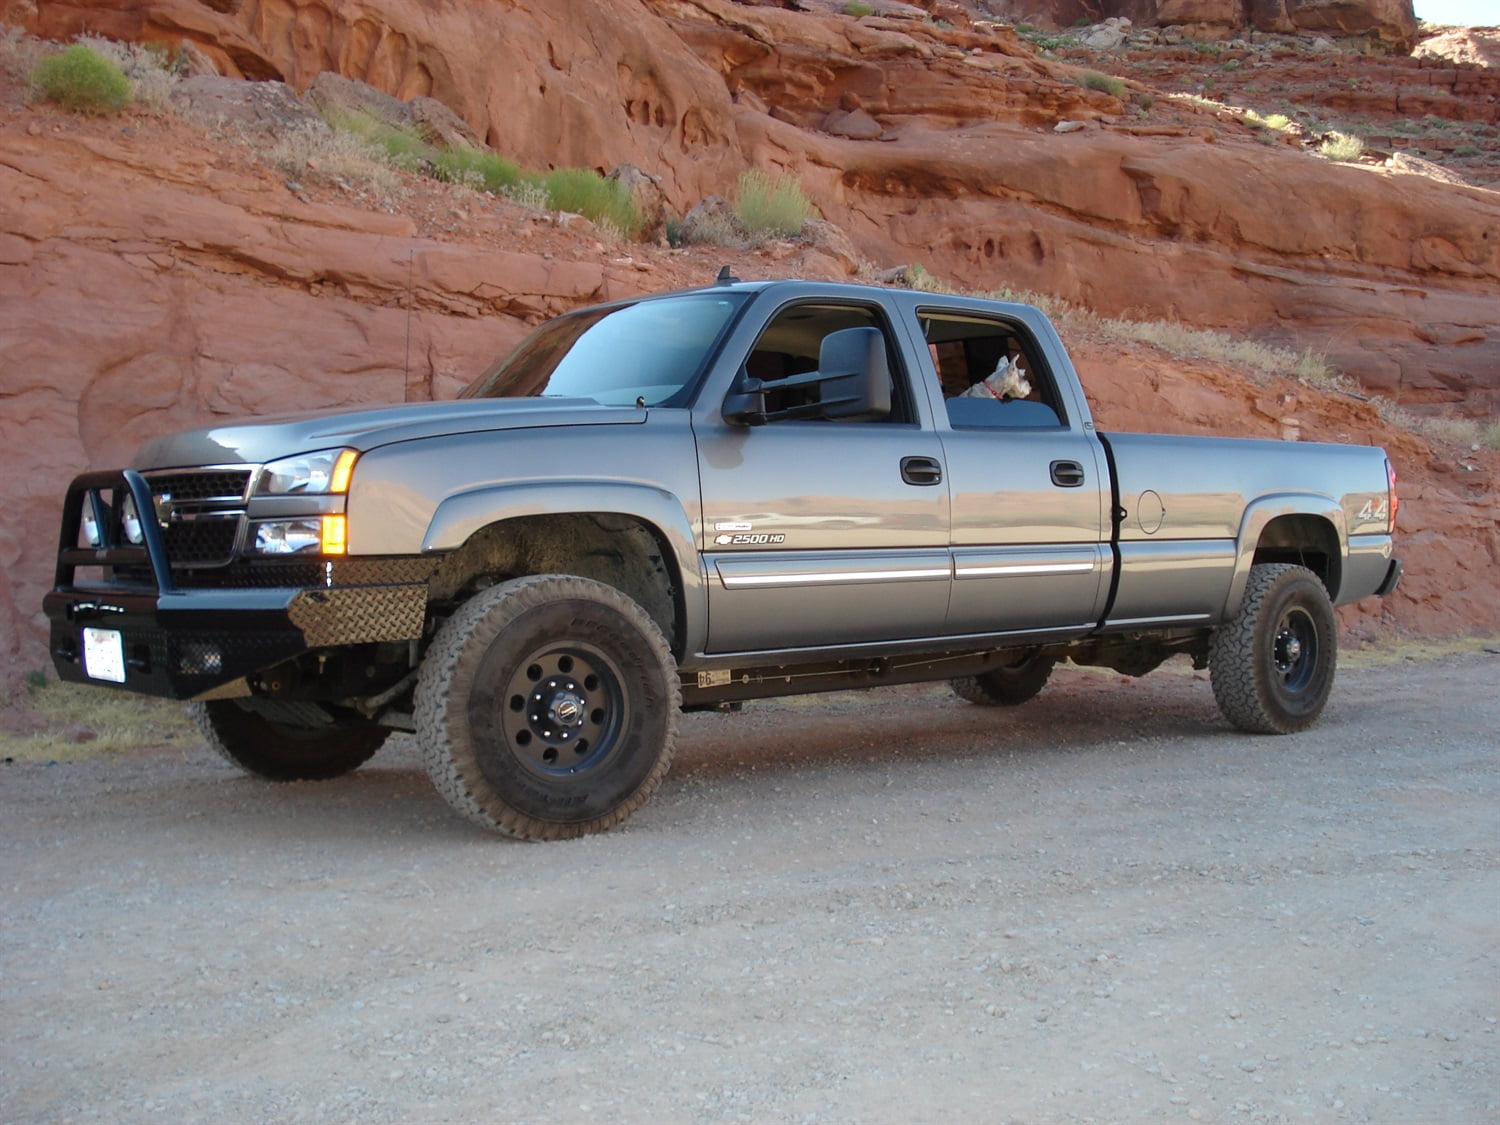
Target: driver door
819, 532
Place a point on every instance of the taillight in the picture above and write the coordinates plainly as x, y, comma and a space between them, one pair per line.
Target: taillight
1392, 500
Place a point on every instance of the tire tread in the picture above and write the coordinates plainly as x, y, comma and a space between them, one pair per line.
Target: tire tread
449, 666
1242, 695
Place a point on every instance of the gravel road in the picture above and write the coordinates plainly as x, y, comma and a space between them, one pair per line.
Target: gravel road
887, 907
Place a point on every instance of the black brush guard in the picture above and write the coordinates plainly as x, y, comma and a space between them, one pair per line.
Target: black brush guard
174, 643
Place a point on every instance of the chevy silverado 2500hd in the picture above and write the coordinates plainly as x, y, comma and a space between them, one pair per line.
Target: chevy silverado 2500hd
689, 500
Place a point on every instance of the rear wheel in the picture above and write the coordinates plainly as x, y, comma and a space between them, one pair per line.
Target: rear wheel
1272, 666
288, 741
1008, 685
547, 708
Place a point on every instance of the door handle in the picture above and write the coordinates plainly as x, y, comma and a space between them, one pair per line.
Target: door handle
921, 470
1067, 474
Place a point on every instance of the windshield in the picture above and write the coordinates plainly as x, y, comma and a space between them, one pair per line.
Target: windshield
647, 354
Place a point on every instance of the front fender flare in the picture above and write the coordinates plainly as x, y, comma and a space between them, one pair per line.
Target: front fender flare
464, 514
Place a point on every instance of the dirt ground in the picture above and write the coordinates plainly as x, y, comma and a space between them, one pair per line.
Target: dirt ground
890, 907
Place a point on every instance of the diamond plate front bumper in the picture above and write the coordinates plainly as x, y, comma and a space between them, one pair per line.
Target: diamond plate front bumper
181, 642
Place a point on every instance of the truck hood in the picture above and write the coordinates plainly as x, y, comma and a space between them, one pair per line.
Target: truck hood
284, 435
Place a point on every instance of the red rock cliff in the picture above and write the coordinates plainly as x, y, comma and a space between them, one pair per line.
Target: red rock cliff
1176, 213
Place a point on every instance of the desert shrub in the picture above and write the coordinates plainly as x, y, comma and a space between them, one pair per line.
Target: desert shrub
475, 168
82, 80
1342, 147
585, 192
151, 70
771, 208
528, 191
718, 229
320, 153
399, 146
1446, 428
1491, 436
1276, 121
1104, 83
19, 52
855, 8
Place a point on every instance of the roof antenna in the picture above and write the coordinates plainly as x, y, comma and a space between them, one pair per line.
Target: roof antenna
726, 276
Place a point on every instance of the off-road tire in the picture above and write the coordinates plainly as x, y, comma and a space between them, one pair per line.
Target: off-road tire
547, 707
1009, 685
326, 744
1272, 666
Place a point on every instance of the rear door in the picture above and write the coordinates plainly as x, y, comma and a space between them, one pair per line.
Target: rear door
1028, 483
821, 532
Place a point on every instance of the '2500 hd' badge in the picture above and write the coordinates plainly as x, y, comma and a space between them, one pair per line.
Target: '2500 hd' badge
736, 534
749, 539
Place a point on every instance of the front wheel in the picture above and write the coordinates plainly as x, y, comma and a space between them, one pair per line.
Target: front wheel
547, 707
287, 741
1272, 665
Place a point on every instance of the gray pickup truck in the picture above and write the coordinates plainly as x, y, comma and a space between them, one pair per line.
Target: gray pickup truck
690, 500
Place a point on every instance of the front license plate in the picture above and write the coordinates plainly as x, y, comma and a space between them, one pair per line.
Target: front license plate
104, 655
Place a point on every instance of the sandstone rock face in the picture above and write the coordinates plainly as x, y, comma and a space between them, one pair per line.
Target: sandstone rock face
1388, 275
1466, 46
1389, 23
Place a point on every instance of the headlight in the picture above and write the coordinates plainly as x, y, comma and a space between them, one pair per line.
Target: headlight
326, 535
323, 472
288, 537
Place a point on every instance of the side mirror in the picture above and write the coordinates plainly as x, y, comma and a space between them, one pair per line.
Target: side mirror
854, 376
852, 384
746, 404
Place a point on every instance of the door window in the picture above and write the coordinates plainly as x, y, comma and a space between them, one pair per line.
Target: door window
790, 344
990, 373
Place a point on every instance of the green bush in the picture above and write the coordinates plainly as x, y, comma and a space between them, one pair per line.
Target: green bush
855, 8
769, 208
585, 192
1342, 147
476, 168
82, 80
1104, 83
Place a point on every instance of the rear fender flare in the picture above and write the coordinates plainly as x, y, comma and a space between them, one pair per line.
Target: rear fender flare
1259, 514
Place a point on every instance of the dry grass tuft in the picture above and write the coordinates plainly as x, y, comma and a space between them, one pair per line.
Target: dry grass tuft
19, 53
50, 721
320, 153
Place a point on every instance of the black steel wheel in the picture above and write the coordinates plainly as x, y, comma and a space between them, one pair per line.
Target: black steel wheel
1012, 683
547, 707
1272, 666
288, 741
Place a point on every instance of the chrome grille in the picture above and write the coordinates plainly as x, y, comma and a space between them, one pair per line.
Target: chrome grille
200, 512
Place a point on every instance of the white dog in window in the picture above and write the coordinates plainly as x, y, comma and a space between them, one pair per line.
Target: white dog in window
1006, 382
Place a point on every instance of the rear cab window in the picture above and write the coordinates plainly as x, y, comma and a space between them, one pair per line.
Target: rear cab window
990, 372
